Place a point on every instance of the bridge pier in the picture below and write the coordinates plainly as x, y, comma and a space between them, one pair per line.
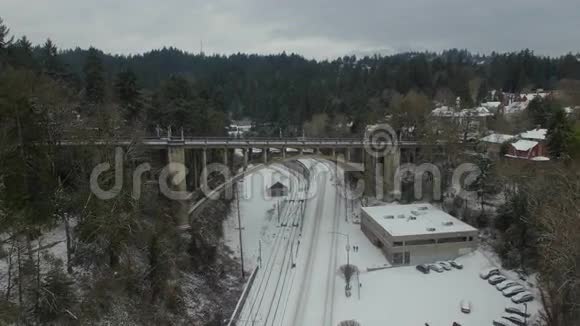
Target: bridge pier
284, 152
195, 171
334, 153
347, 154
265, 155
203, 159
380, 172
246, 150
225, 156
176, 154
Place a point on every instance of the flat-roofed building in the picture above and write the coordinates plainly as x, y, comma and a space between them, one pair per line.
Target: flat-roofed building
417, 233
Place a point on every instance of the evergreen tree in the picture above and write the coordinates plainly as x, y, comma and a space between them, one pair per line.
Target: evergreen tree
49, 58
4, 40
22, 55
128, 94
560, 135
94, 77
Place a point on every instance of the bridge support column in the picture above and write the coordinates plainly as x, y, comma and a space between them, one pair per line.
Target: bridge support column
301, 151
265, 155
177, 155
284, 152
195, 182
392, 161
347, 154
203, 159
334, 153
225, 156
246, 150
318, 152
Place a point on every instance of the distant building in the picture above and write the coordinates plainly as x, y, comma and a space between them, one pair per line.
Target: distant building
417, 233
530, 146
278, 190
239, 128
493, 143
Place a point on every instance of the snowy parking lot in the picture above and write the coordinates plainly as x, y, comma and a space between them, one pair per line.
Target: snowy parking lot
404, 296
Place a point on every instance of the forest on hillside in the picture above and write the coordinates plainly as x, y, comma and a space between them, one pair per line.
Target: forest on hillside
196, 91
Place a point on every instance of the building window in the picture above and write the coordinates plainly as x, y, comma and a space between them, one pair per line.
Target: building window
420, 242
470, 238
397, 243
397, 258
451, 240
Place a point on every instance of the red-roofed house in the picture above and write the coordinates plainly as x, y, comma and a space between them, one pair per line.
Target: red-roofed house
530, 146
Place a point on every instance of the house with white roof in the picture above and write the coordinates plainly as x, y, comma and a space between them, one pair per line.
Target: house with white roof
417, 233
492, 143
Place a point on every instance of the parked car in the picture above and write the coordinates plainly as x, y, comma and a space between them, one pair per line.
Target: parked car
510, 292
465, 306
522, 297
499, 323
423, 268
515, 319
517, 311
505, 284
445, 265
486, 273
494, 279
436, 267
456, 264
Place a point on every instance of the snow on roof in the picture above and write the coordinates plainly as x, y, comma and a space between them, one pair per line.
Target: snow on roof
415, 219
540, 158
443, 111
491, 105
524, 145
482, 111
278, 184
516, 107
536, 134
497, 138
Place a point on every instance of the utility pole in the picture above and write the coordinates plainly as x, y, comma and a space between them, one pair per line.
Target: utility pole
240, 232
260, 252
345, 197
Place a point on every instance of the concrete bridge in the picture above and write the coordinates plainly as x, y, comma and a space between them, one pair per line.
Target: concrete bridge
195, 153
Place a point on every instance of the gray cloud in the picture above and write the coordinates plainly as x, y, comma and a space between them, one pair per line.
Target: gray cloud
320, 29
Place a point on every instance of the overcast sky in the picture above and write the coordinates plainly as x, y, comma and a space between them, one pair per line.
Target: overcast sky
314, 28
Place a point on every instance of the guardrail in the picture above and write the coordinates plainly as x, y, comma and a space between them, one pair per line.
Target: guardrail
243, 298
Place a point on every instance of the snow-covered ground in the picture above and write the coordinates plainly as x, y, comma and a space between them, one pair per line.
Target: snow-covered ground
313, 292
404, 296
259, 212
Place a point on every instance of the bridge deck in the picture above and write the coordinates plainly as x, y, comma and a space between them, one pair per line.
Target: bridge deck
249, 142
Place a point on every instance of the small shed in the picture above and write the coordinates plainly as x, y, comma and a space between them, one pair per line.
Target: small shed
278, 189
